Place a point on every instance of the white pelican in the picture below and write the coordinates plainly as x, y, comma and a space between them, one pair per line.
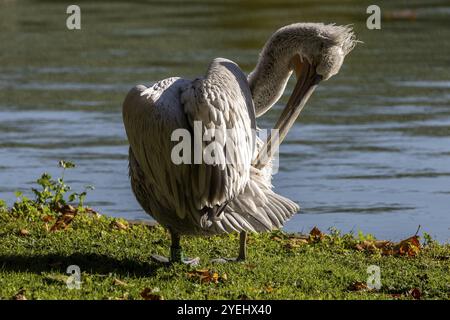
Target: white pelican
233, 196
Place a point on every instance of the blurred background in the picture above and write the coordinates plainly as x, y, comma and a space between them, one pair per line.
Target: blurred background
371, 151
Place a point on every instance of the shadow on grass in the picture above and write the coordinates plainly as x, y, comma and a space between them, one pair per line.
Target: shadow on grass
92, 263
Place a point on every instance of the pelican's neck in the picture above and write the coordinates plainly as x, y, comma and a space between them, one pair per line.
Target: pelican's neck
270, 76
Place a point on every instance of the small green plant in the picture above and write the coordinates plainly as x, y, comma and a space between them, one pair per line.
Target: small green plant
3, 207
51, 196
427, 239
364, 237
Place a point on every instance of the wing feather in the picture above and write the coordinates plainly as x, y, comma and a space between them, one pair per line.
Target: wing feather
222, 102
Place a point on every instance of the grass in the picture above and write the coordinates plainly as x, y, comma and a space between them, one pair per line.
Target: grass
114, 257
116, 264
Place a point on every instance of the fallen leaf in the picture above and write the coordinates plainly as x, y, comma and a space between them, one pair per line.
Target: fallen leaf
315, 235
116, 224
358, 286
69, 209
386, 247
48, 218
201, 271
269, 289
147, 294
415, 293
65, 219
410, 247
293, 244
65, 209
24, 232
207, 276
20, 295
92, 212
118, 282
382, 243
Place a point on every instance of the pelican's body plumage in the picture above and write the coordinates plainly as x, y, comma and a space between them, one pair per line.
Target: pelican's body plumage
234, 195
188, 199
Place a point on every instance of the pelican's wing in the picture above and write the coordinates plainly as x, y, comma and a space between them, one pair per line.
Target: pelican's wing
220, 106
221, 102
150, 117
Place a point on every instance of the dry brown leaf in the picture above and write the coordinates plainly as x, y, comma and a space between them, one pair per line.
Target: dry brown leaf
415, 293
147, 294
118, 225
20, 295
47, 218
358, 286
201, 271
24, 232
291, 245
269, 289
373, 245
409, 247
63, 221
315, 234
68, 209
118, 282
207, 276
92, 211
380, 244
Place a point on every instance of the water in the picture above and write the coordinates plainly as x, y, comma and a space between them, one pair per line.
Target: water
371, 151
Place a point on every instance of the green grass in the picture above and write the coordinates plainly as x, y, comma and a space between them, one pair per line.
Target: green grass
36, 263
114, 257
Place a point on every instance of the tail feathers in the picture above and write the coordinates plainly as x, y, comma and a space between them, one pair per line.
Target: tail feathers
247, 213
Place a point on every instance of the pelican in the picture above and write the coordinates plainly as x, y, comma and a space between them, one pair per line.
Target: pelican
204, 199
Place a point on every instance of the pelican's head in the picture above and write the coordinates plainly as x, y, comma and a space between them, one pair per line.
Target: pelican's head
313, 51
323, 47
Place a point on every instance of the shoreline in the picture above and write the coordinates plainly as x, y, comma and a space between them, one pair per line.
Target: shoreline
114, 259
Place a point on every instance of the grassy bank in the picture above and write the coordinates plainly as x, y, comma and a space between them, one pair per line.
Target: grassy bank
40, 238
114, 258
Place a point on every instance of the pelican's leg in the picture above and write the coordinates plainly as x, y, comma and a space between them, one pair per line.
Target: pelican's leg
242, 251
176, 253
242, 246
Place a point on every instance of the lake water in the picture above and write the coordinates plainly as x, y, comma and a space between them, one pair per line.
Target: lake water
371, 151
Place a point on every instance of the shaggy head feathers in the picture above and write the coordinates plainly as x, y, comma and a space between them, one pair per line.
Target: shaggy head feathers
323, 45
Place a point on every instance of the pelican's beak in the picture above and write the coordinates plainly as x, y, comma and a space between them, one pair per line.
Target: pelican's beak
307, 81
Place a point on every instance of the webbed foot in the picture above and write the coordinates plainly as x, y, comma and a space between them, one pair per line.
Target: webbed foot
164, 260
